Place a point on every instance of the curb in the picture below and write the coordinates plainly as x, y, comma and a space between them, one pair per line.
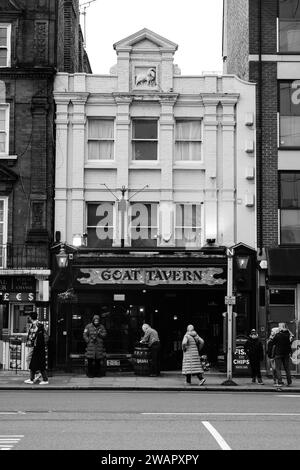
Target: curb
219, 388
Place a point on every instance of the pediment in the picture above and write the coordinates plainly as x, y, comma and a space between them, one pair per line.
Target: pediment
146, 39
10, 5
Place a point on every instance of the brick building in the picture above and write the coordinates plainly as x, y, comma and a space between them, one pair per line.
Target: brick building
156, 169
261, 43
37, 38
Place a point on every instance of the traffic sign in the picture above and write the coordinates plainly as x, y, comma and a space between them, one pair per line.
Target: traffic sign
230, 300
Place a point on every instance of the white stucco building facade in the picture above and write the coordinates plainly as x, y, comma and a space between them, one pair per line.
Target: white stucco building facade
166, 139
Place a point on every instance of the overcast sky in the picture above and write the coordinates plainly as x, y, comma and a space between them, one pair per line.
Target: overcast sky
195, 25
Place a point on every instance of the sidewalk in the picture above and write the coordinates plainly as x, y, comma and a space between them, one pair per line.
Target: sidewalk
169, 381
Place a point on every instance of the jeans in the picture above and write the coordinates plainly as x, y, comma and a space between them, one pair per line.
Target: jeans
285, 362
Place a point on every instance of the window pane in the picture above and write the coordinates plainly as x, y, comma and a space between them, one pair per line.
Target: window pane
101, 129
95, 242
289, 9
2, 119
3, 57
187, 151
289, 190
143, 224
188, 130
289, 36
3, 36
290, 131
100, 214
145, 150
100, 150
290, 226
145, 129
290, 113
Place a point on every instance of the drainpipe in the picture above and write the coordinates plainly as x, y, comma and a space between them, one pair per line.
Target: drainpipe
260, 114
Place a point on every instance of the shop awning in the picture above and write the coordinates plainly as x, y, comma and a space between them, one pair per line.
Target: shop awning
284, 264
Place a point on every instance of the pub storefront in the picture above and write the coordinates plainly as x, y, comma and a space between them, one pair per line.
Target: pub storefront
168, 290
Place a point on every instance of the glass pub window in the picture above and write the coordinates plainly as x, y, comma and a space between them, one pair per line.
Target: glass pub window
144, 139
289, 26
289, 208
100, 228
188, 225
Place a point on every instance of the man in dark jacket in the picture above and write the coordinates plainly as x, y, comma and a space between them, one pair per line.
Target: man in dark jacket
283, 350
95, 351
255, 352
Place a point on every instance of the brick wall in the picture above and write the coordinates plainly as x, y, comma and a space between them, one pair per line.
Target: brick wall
269, 26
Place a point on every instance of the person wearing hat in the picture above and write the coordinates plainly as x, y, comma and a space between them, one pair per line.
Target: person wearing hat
255, 353
94, 334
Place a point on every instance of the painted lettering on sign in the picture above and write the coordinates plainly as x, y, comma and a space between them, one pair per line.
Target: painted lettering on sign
152, 276
17, 296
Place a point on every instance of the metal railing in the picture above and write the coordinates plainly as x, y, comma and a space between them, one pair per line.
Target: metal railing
24, 256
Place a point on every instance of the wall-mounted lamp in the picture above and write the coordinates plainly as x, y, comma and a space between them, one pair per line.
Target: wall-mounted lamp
62, 258
242, 261
79, 240
263, 264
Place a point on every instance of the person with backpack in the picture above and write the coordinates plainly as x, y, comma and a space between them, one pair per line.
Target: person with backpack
282, 352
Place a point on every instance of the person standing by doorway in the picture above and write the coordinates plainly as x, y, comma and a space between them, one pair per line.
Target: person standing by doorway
254, 350
282, 353
36, 357
94, 334
151, 339
271, 352
191, 363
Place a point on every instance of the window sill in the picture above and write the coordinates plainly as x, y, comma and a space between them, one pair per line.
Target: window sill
102, 164
189, 165
8, 157
152, 165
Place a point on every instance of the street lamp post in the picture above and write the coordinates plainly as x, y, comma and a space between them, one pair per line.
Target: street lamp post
229, 301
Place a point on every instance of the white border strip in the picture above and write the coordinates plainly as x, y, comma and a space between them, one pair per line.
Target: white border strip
222, 443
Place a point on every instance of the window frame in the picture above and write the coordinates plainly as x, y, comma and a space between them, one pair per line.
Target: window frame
182, 227
6, 108
133, 140
95, 139
8, 46
281, 208
189, 141
279, 21
5, 232
149, 227
280, 145
113, 226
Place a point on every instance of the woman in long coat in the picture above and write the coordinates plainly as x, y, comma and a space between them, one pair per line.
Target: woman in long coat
93, 335
191, 364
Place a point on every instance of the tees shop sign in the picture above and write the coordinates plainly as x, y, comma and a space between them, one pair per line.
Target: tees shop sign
151, 276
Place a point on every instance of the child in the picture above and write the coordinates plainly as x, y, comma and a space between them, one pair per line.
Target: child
254, 351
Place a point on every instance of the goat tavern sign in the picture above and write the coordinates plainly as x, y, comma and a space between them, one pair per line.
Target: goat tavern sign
151, 276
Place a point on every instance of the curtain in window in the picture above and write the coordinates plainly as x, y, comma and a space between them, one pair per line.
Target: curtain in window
188, 136
103, 146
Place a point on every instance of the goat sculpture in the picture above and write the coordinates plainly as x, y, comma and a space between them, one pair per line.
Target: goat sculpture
147, 78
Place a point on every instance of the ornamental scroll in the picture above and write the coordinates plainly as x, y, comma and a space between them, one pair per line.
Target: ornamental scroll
152, 276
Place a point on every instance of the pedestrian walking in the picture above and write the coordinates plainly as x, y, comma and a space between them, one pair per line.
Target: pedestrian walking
271, 352
282, 353
94, 334
192, 343
36, 346
151, 339
254, 350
